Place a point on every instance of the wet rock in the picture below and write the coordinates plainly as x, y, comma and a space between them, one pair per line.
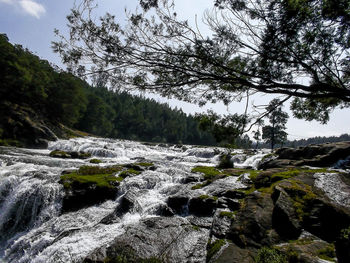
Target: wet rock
253, 222
159, 238
73, 155
221, 223
234, 194
342, 246
232, 204
203, 205
284, 218
320, 155
178, 203
234, 254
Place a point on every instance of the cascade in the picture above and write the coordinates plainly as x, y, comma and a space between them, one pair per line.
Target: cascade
32, 225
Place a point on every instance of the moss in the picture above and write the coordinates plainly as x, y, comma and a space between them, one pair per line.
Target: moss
197, 186
302, 196
92, 175
129, 172
345, 233
327, 253
270, 255
204, 197
96, 161
302, 241
227, 214
144, 164
10, 142
195, 228
208, 171
214, 247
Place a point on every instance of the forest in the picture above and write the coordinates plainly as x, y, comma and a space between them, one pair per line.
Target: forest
59, 97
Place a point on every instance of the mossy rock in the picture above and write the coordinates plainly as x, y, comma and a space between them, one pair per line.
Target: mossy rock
89, 185
214, 247
73, 155
95, 161
129, 172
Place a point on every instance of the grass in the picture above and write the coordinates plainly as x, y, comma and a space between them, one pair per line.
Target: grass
204, 197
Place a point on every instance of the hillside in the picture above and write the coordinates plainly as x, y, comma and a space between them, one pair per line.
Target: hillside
39, 102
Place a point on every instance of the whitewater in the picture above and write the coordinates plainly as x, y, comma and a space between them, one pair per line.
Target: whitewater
32, 225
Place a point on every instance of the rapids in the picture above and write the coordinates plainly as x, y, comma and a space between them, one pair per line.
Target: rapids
32, 226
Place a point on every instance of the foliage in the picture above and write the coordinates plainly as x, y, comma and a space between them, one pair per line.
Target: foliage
254, 46
59, 97
275, 132
270, 255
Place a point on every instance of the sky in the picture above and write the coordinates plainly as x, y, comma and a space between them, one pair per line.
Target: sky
31, 23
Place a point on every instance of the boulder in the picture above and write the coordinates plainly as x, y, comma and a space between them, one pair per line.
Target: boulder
202, 205
178, 203
253, 222
320, 155
161, 239
284, 217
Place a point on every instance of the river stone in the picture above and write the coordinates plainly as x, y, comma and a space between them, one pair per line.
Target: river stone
169, 239
234, 254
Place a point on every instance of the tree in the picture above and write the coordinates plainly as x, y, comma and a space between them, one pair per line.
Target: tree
275, 132
296, 48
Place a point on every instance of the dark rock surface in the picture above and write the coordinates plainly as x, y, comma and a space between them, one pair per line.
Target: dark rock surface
162, 238
320, 155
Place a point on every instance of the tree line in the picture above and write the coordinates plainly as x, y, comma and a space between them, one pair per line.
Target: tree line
60, 97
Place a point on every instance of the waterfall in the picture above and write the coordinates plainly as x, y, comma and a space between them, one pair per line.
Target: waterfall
34, 229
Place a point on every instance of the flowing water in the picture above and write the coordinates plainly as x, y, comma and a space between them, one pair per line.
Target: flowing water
32, 226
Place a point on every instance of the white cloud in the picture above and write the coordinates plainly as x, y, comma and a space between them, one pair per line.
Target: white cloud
32, 8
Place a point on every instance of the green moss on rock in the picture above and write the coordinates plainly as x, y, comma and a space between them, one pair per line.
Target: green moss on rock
92, 175
95, 161
214, 247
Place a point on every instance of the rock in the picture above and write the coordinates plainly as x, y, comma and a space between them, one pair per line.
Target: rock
72, 155
320, 155
25, 125
160, 239
221, 223
234, 194
308, 249
253, 222
284, 218
342, 246
202, 205
178, 203
234, 254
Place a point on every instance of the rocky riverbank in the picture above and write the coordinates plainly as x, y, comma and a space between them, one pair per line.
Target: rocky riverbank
286, 211
120, 201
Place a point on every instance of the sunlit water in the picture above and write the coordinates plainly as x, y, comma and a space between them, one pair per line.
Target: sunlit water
32, 227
